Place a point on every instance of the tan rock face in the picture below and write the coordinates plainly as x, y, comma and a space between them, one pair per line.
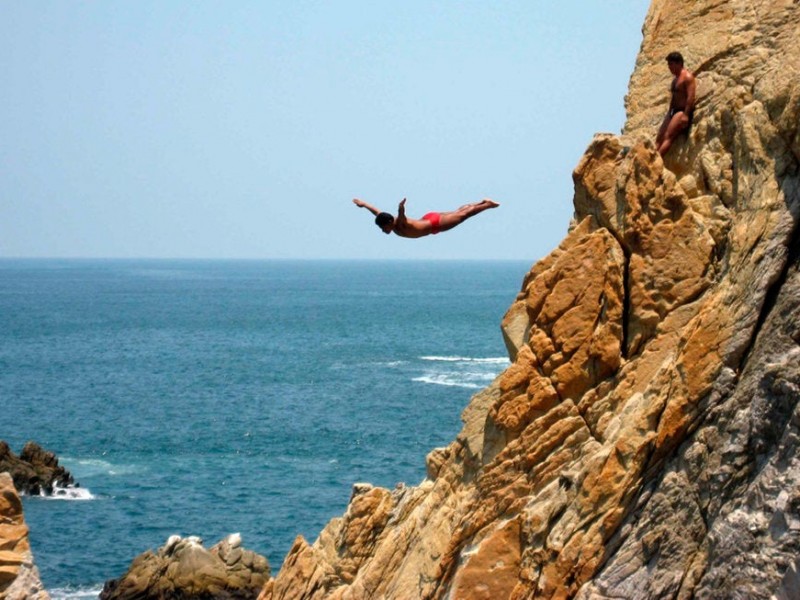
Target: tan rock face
669, 249
648, 395
19, 578
573, 329
492, 569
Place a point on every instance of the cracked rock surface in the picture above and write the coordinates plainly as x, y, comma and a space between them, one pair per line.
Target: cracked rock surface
644, 441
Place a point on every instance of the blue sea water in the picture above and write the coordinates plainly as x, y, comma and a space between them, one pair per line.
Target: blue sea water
212, 397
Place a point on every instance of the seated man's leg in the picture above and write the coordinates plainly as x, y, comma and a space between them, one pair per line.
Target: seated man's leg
678, 123
662, 130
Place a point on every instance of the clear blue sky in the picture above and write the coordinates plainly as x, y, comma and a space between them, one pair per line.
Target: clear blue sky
244, 129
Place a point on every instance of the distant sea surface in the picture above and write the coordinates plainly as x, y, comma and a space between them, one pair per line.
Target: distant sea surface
212, 397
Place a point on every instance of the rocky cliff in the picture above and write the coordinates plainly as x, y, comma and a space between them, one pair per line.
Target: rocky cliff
644, 442
19, 578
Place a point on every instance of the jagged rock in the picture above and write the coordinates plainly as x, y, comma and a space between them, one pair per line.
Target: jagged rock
36, 470
19, 578
183, 569
645, 441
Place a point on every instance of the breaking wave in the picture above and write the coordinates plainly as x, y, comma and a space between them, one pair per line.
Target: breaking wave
500, 360
461, 371
68, 493
443, 379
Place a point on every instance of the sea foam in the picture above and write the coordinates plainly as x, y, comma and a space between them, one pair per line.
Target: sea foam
500, 360
461, 371
68, 493
90, 467
75, 593
441, 379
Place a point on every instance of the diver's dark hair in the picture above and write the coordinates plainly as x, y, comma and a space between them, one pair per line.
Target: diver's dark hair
383, 219
675, 57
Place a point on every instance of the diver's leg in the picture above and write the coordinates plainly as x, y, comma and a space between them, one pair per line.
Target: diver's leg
448, 220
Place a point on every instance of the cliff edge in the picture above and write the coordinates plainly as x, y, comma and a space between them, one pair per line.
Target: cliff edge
644, 442
19, 578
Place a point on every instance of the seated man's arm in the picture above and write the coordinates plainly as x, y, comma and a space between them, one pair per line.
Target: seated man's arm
691, 90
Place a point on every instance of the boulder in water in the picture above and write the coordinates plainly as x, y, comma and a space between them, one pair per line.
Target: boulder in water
184, 568
35, 471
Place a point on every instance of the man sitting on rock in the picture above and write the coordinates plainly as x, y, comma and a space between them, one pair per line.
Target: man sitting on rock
681, 106
430, 223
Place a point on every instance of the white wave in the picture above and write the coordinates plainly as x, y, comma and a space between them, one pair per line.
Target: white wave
68, 493
461, 371
444, 379
500, 360
70, 593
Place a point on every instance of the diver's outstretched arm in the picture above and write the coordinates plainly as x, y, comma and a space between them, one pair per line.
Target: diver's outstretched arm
369, 207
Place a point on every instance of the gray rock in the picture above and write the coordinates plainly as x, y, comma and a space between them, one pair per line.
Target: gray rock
724, 520
183, 568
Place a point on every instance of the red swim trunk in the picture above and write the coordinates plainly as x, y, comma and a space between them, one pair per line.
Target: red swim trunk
433, 218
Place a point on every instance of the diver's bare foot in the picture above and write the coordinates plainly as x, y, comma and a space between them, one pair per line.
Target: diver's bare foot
491, 203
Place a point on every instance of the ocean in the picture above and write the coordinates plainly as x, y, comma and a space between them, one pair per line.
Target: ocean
212, 397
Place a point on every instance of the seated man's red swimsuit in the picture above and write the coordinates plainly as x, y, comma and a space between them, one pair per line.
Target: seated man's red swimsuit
433, 218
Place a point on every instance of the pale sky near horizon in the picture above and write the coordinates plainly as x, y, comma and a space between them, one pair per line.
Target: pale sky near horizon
244, 129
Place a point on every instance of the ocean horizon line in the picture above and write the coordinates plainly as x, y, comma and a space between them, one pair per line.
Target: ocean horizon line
253, 260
